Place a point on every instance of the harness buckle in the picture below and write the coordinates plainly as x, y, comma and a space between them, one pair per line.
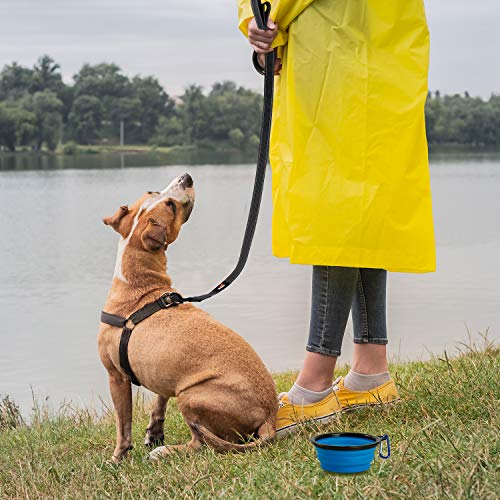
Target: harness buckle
169, 299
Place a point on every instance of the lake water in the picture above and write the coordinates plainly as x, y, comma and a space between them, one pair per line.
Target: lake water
57, 261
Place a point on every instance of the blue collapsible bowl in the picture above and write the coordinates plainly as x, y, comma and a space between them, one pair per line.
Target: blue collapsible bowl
348, 452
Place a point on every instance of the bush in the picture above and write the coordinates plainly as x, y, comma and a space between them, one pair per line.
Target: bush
10, 415
70, 148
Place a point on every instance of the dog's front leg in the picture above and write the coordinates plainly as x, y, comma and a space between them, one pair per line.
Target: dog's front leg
154, 430
121, 393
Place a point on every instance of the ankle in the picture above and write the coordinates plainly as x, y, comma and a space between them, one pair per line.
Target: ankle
299, 395
316, 385
369, 359
355, 381
370, 368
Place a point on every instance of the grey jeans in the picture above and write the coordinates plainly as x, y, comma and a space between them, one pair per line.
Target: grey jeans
335, 290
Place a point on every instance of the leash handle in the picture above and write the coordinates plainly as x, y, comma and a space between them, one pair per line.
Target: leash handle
261, 11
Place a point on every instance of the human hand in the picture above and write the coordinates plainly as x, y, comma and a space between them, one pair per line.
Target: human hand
261, 40
277, 63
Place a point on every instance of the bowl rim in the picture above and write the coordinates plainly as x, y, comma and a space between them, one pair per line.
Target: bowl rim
315, 440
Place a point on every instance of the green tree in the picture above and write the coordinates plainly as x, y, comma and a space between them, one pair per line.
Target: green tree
115, 92
46, 76
126, 109
233, 108
236, 137
169, 132
85, 118
7, 128
101, 80
154, 104
17, 125
194, 114
47, 109
15, 81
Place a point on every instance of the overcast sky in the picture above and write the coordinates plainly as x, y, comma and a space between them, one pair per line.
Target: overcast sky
197, 41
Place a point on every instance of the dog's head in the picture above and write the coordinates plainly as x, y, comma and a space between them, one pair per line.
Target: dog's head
155, 219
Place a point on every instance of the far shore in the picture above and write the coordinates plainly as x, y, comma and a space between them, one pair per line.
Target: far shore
74, 149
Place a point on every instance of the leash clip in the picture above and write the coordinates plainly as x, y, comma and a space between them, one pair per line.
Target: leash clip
169, 299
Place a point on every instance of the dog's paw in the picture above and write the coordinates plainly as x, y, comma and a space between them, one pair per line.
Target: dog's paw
152, 441
157, 453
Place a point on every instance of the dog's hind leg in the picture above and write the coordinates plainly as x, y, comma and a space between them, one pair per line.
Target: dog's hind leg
154, 430
121, 393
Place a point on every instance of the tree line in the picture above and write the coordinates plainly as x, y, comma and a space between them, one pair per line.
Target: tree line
38, 109
462, 119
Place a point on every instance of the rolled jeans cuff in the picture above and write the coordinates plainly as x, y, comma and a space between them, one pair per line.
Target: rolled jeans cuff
370, 341
322, 350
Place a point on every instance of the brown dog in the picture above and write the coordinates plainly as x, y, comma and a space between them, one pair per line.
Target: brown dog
222, 387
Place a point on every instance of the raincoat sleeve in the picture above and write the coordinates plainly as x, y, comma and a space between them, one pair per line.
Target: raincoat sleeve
283, 12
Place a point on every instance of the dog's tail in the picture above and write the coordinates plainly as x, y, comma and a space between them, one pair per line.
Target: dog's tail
266, 432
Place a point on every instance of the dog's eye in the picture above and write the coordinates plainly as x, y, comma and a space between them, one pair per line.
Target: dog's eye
172, 205
152, 221
153, 192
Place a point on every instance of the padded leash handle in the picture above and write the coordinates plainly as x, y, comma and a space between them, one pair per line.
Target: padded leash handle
261, 11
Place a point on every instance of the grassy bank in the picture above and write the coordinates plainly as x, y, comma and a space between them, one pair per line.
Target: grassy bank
138, 148
444, 437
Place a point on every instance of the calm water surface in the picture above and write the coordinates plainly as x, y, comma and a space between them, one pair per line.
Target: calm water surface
57, 260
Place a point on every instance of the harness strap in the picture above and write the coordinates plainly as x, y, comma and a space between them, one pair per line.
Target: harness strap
113, 319
167, 300
123, 351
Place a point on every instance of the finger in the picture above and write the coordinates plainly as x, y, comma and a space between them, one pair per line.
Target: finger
263, 46
253, 27
259, 38
262, 35
260, 50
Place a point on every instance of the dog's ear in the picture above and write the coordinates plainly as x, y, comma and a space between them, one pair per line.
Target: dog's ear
115, 220
154, 236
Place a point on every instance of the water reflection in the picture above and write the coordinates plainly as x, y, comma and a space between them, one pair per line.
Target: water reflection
87, 161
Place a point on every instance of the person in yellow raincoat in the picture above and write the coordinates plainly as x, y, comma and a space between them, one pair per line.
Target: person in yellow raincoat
350, 175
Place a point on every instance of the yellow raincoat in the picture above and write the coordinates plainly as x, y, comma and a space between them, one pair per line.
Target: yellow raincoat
348, 148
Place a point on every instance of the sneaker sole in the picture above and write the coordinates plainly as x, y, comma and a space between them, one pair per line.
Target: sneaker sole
290, 429
364, 405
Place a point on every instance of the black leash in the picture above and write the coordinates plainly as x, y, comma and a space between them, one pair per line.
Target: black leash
261, 13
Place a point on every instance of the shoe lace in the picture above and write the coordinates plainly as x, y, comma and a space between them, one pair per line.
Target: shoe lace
281, 403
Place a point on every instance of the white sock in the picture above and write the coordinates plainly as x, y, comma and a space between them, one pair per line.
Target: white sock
358, 382
298, 395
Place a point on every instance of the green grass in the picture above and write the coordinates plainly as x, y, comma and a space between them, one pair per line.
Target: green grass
444, 444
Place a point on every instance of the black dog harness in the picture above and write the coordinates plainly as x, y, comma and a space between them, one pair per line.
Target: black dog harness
261, 13
167, 300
